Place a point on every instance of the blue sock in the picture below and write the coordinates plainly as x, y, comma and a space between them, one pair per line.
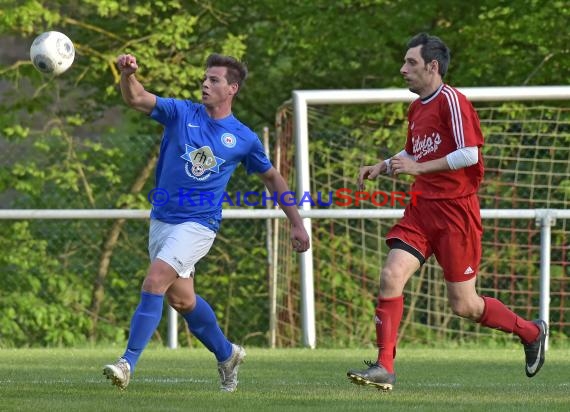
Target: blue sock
203, 324
144, 322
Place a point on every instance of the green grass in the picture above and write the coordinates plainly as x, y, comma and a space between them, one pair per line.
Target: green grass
454, 379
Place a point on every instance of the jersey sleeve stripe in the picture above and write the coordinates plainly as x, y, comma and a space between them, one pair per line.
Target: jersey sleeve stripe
453, 108
456, 121
455, 113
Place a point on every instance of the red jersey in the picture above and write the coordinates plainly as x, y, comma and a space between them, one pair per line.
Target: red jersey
437, 126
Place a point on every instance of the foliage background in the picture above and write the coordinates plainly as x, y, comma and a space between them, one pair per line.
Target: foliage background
69, 142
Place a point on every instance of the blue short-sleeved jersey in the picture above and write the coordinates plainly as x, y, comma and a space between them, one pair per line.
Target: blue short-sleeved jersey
197, 158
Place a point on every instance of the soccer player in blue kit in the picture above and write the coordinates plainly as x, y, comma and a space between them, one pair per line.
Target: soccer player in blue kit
201, 147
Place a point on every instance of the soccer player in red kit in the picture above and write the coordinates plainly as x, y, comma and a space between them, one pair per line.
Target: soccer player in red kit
443, 152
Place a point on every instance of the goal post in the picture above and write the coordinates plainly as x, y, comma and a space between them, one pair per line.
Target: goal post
303, 99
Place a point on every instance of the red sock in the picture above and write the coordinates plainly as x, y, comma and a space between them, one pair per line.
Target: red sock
388, 317
497, 316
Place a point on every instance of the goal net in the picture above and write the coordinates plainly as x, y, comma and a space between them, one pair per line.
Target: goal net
527, 160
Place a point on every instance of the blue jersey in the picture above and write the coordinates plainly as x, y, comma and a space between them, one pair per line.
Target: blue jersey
198, 155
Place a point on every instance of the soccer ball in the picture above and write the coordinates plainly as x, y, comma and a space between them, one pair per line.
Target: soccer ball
52, 52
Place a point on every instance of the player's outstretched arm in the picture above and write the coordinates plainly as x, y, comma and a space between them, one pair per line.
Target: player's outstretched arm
458, 159
404, 165
132, 90
276, 184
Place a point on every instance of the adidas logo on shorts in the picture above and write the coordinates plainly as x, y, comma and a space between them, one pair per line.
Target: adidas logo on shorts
468, 271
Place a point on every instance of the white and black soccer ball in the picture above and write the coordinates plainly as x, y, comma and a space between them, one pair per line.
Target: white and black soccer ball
52, 53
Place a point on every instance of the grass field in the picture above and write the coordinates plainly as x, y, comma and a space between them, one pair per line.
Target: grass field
456, 379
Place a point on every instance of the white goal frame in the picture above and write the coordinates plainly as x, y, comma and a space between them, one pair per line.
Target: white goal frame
303, 98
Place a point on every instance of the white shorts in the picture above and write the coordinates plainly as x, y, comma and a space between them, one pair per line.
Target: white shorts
180, 245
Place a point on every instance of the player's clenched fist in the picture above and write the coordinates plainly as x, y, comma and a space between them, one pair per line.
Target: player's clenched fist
127, 63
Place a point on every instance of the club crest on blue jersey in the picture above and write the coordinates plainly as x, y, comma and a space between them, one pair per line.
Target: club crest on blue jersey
201, 162
229, 140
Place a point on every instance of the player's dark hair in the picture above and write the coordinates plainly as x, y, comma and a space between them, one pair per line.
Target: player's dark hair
236, 70
433, 48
